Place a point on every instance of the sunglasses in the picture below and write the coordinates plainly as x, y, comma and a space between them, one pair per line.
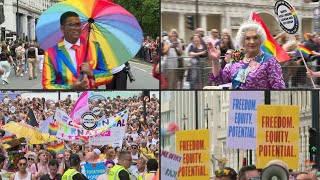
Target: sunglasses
30, 159
134, 148
222, 172
22, 164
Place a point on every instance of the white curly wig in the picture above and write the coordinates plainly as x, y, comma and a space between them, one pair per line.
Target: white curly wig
249, 26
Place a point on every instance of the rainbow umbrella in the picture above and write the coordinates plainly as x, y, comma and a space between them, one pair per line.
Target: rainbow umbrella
115, 29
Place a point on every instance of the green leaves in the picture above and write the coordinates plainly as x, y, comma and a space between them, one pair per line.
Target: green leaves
147, 13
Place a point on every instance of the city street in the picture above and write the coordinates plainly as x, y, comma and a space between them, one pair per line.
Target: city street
141, 71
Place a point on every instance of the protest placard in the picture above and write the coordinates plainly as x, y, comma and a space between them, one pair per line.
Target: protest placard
170, 164
241, 132
94, 170
278, 135
194, 147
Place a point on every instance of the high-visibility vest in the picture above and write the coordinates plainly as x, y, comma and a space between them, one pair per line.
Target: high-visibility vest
69, 174
145, 176
114, 172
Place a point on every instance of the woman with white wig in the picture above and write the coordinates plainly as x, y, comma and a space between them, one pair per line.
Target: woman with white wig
250, 68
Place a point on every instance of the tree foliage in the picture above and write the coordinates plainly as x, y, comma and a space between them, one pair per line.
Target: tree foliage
147, 13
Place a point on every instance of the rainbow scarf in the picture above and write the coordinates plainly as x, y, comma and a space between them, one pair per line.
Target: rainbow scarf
7, 139
270, 45
304, 50
53, 129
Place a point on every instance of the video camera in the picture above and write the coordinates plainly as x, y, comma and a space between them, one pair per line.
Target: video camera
129, 73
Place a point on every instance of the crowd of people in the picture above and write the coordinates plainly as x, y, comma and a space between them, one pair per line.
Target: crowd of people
200, 62
150, 50
24, 58
137, 158
275, 169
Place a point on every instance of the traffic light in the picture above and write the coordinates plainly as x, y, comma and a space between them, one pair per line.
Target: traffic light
190, 22
244, 162
313, 146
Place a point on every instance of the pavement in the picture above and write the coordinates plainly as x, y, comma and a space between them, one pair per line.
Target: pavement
141, 70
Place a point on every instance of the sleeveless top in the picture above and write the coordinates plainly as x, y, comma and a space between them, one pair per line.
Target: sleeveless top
16, 176
32, 52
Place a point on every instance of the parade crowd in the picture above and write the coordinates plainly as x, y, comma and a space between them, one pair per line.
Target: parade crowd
137, 158
192, 64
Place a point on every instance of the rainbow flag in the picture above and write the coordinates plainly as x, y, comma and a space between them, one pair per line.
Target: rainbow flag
51, 148
271, 46
83, 139
29, 148
7, 139
53, 129
304, 50
59, 149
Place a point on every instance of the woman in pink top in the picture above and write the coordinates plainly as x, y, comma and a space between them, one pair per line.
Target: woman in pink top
41, 168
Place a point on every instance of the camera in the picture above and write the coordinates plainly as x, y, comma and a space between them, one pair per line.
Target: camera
129, 73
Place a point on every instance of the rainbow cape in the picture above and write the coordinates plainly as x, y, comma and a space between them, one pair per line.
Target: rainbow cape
304, 50
7, 139
271, 46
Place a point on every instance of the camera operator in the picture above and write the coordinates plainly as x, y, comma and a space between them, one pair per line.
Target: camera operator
120, 74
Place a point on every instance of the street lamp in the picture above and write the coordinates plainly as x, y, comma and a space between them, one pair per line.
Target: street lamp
207, 115
184, 119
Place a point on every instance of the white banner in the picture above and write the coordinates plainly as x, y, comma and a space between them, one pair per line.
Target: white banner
113, 136
108, 131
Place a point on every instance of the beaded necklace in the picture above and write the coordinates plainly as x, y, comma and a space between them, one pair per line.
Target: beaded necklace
248, 60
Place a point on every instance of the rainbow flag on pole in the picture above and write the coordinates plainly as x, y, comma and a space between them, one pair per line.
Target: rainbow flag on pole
304, 50
271, 46
53, 128
7, 139
59, 148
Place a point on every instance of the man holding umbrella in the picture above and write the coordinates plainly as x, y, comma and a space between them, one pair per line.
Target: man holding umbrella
74, 63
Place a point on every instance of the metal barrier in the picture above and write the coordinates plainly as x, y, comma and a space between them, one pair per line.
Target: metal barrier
195, 75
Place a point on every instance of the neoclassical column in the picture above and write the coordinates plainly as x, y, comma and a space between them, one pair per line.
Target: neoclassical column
32, 29
182, 26
204, 22
24, 25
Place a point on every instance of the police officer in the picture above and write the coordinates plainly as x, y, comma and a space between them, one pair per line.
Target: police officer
120, 170
152, 167
73, 172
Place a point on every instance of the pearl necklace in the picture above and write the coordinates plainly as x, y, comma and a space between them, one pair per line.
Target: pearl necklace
248, 60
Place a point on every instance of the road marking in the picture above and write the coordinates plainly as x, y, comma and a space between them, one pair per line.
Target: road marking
141, 64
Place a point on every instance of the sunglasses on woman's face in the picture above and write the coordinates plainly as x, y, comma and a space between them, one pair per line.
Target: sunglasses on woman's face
30, 159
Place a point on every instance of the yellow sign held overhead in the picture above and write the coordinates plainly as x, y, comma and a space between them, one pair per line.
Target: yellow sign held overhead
278, 135
194, 147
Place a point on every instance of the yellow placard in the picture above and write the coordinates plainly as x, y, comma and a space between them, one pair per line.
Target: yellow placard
278, 135
195, 150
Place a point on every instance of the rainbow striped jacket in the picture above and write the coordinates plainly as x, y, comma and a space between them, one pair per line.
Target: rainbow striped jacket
59, 72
